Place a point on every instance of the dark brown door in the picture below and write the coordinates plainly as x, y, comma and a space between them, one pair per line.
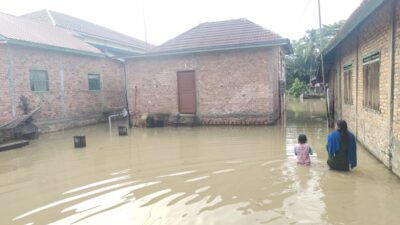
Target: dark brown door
186, 92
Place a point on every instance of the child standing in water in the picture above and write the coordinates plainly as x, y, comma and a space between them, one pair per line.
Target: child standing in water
303, 151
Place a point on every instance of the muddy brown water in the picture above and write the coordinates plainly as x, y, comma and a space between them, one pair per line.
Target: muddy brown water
201, 175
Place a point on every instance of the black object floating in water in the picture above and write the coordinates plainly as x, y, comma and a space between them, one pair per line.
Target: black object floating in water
122, 130
79, 141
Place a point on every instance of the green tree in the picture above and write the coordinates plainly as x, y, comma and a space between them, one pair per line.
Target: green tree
298, 87
302, 64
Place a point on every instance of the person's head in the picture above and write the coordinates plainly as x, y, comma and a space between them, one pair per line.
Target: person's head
302, 139
341, 126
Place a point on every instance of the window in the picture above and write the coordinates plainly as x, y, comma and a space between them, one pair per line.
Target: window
94, 82
371, 66
348, 94
39, 80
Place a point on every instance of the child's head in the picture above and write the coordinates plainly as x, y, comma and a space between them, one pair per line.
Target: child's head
302, 139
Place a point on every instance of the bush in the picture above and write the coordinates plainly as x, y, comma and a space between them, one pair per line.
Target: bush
298, 87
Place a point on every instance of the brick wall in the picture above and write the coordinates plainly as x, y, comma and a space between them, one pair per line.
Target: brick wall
5, 104
372, 127
68, 102
348, 55
232, 87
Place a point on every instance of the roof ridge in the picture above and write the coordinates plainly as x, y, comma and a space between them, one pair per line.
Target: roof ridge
91, 23
193, 28
265, 29
233, 32
51, 17
178, 36
24, 31
219, 21
34, 22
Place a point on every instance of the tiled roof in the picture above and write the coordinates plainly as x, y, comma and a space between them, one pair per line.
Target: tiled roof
85, 27
238, 32
23, 31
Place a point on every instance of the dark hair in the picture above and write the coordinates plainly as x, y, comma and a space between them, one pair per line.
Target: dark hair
302, 138
342, 126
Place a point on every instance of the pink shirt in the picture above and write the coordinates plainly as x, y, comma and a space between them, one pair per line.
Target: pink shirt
303, 155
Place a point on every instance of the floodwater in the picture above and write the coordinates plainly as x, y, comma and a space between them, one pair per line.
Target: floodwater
201, 175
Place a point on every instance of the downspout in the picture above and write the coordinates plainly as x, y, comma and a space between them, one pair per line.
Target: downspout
356, 77
340, 91
391, 81
126, 91
126, 96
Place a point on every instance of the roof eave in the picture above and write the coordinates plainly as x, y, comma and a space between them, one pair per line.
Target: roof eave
52, 48
359, 18
280, 42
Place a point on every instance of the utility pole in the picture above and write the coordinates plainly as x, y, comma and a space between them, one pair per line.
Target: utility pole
144, 26
320, 45
328, 115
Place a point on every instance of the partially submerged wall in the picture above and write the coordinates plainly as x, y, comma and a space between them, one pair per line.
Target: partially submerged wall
377, 129
232, 87
68, 102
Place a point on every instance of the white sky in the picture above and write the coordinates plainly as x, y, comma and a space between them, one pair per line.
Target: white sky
166, 19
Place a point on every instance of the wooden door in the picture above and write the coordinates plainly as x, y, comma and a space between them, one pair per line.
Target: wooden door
186, 92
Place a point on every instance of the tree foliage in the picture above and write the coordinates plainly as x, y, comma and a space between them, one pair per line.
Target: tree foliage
297, 88
302, 64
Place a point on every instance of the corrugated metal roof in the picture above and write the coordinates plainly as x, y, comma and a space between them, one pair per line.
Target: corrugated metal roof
237, 32
85, 27
22, 31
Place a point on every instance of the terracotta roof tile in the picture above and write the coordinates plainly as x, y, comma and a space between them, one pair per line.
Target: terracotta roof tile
217, 34
20, 29
85, 27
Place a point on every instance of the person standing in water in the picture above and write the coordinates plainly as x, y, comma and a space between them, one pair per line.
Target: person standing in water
303, 151
341, 148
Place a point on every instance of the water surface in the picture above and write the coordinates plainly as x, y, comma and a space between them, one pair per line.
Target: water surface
201, 175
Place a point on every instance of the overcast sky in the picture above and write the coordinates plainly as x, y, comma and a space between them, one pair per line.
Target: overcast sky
166, 19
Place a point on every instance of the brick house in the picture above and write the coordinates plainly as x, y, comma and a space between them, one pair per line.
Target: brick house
71, 77
363, 69
225, 72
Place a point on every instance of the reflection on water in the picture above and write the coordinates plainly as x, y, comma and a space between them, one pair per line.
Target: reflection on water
201, 175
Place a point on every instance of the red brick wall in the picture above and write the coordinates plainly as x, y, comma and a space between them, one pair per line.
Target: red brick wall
232, 86
5, 104
68, 103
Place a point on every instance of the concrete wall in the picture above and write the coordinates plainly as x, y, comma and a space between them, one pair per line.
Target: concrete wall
232, 87
68, 102
373, 128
